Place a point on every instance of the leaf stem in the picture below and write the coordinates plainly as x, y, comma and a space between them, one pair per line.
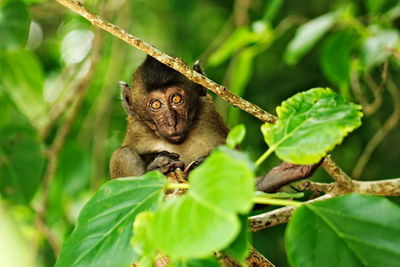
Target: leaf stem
177, 186
265, 156
273, 201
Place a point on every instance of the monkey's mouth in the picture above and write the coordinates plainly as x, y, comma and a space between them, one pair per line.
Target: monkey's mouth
175, 138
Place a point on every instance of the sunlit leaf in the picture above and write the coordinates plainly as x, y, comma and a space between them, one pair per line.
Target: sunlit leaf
374, 49
352, 230
205, 218
236, 136
21, 163
310, 124
104, 228
308, 35
14, 24
15, 248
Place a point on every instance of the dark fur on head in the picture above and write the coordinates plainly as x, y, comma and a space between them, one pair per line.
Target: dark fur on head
155, 75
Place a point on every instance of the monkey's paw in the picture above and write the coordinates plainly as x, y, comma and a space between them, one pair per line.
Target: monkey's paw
166, 162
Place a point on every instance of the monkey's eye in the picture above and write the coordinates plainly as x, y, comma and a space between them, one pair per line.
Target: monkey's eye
176, 99
155, 104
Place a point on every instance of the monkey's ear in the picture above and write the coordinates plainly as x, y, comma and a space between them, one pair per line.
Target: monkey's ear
126, 97
197, 67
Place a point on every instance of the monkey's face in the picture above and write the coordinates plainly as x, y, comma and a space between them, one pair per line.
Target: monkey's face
171, 111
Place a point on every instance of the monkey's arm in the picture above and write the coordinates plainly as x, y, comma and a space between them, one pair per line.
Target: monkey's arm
284, 174
125, 161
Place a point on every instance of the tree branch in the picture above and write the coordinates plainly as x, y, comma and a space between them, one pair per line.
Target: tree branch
390, 187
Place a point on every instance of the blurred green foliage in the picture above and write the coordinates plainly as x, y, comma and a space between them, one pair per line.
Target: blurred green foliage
264, 51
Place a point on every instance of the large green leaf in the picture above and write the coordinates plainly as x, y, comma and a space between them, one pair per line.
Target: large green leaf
14, 24
352, 230
104, 228
21, 163
308, 35
310, 124
205, 218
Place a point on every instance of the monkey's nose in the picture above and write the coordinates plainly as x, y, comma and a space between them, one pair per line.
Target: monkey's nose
171, 119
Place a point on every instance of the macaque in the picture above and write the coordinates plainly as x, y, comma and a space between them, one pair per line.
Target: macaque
172, 122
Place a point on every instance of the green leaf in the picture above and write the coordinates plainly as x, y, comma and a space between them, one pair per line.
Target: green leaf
335, 57
239, 38
14, 24
186, 228
236, 136
310, 124
22, 79
205, 218
240, 247
352, 230
242, 70
21, 163
272, 8
375, 6
207, 262
308, 35
374, 48
142, 241
104, 228
280, 194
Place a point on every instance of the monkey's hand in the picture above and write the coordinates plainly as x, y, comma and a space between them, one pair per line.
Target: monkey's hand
166, 162
194, 164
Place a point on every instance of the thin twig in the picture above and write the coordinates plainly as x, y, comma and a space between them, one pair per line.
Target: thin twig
173, 62
381, 133
394, 52
343, 180
369, 108
240, 12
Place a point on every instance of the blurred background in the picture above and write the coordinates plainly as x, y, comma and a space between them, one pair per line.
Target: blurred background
61, 117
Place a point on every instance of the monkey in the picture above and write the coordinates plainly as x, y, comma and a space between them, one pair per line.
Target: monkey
171, 122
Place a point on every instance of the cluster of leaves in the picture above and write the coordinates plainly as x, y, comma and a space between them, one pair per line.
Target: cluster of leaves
347, 45
211, 215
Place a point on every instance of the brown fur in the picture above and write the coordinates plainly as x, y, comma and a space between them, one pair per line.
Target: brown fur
207, 128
